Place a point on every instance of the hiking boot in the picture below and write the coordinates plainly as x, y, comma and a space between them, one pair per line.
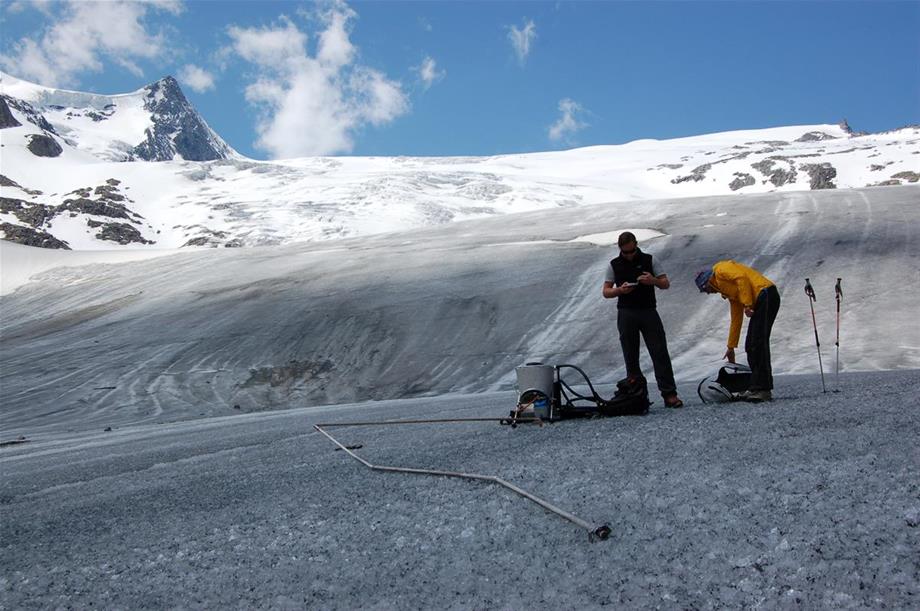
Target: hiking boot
673, 401
756, 396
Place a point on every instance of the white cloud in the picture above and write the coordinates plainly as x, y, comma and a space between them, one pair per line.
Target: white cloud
522, 39
269, 47
19, 6
16, 6
313, 104
83, 35
197, 78
374, 98
335, 48
428, 72
567, 124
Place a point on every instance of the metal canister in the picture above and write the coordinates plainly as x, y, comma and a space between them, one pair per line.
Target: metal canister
539, 378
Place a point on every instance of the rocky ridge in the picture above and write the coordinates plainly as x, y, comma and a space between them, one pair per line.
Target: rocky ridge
103, 207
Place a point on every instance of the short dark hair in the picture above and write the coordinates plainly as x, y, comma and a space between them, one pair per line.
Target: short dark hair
625, 238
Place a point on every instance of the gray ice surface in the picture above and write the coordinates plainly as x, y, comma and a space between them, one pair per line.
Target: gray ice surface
812, 501
452, 309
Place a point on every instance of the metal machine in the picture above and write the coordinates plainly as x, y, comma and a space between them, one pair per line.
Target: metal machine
545, 396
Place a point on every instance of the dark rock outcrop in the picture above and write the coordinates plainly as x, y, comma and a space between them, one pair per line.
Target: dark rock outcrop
33, 214
822, 175
697, 174
908, 176
31, 237
177, 128
107, 204
814, 137
32, 116
846, 127
41, 145
121, 233
199, 241
777, 176
207, 237
6, 116
98, 207
109, 192
741, 180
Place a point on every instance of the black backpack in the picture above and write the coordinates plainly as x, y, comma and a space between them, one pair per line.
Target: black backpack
731, 380
630, 399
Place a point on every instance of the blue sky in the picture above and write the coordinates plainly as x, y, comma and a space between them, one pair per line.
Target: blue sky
285, 79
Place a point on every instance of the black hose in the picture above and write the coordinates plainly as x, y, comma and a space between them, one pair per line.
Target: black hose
596, 398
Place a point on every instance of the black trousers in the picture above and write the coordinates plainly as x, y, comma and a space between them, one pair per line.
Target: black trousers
757, 342
631, 322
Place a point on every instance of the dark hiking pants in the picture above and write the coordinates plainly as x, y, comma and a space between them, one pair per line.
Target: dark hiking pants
645, 321
757, 342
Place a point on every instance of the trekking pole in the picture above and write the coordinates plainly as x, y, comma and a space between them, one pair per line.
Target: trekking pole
839, 292
811, 299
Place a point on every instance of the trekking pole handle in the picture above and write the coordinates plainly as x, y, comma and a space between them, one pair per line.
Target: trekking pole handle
810, 291
838, 290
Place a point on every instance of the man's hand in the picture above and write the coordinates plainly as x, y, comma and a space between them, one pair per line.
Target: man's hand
626, 289
748, 311
646, 278
730, 355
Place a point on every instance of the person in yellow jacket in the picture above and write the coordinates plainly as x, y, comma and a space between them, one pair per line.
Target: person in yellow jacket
749, 293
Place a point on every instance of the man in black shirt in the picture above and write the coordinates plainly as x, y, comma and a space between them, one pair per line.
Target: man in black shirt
632, 278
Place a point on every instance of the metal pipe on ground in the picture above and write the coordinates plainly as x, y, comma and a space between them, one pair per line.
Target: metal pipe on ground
595, 532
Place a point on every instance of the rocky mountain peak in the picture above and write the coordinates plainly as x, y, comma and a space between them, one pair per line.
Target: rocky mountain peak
166, 91
178, 129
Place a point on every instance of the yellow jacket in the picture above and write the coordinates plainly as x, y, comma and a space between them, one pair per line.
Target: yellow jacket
740, 285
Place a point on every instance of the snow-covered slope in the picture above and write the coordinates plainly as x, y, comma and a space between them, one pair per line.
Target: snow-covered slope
448, 309
232, 201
